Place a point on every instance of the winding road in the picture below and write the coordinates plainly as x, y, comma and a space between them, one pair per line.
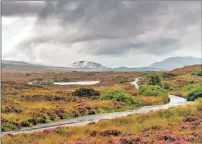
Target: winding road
84, 120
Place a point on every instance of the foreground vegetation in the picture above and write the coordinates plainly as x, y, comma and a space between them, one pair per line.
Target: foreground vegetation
28, 105
181, 125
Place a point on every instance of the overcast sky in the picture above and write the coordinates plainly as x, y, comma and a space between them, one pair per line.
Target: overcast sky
112, 33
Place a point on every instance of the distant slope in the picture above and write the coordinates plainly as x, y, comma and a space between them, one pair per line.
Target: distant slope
20, 66
176, 62
186, 70
10, 62
87, 65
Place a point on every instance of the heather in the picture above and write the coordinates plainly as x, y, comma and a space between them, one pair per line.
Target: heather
27, 105
175, 125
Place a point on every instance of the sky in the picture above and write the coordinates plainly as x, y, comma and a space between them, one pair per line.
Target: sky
113, 33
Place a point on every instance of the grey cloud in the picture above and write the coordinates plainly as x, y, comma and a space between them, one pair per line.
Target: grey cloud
22, 8
115, 27
119, 47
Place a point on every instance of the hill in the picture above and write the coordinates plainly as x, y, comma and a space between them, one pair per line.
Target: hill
176, 62
87, 65
20, 66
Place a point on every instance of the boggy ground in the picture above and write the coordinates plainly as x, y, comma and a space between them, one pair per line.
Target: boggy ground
179, 125
176, 79
26, 105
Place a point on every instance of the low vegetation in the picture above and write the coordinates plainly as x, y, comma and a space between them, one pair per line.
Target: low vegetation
176, 79
154, 80
197, 73
26, 105
151, 90
85, 92
179, 125
118, 95
190, 91
196, 92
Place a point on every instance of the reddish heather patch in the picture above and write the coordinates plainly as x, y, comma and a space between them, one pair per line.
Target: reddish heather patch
52, 130
155, 127
191, 119
125, 141
93, 133
91, 123
190, 138
137, 139
167, 137
111, 133
9, 134
181, 141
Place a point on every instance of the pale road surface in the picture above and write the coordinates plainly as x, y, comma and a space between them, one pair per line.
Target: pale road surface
84, 120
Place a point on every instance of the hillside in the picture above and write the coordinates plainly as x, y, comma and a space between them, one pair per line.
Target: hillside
20, 66
176, 62
186, 69
87, 65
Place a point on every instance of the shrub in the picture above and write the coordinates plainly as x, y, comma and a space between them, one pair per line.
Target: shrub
168, 75
46, 82
111, 133
33, 121
60, 113
167, 86
25, 123
195, 93
197, 73
151, 90
11, 109
85, 92
64, 79
28, 74
188, 87
118, 95
144, 74
167, 137
154, 80
60, 131
8, 127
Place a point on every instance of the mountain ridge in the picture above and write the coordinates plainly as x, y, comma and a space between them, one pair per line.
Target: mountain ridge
164, 65
176, 62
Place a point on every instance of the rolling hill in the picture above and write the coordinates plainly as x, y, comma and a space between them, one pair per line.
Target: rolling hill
176, 62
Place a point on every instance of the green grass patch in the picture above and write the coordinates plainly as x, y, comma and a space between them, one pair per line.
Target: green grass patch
118, 95
151, 90
195, 93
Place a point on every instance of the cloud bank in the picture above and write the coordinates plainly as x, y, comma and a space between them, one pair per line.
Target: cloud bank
108, 28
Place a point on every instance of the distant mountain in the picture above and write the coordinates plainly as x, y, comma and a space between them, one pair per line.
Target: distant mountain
176, 62
10, 62
20, 66
92, 66
87, 65
19, 63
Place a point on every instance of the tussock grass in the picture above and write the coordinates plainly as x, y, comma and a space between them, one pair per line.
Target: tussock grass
150, 126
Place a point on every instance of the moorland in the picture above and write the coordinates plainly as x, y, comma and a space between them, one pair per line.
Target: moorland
25, 105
